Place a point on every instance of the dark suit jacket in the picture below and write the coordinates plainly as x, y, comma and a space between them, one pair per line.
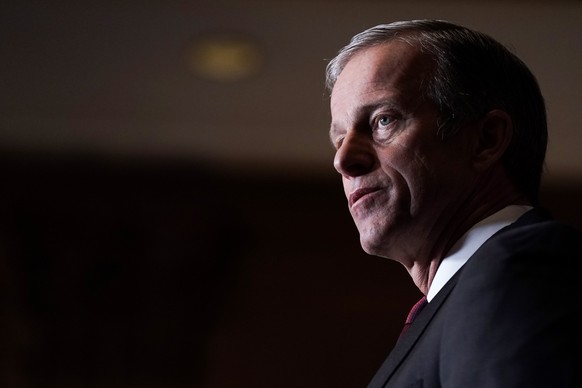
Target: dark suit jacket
508, 318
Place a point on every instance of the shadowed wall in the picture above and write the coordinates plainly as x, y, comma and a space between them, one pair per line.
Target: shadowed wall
118, 273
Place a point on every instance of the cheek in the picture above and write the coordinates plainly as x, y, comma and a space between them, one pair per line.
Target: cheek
414, 178
439, 184
404, 167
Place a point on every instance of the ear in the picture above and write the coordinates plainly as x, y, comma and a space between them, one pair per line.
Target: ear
494, 133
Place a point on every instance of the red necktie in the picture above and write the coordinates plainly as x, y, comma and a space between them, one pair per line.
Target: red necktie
418, 306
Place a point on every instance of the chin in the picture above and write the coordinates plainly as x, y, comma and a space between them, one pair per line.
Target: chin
371, 246
378, 242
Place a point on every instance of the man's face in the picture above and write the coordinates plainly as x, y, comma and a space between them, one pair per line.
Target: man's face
402, 182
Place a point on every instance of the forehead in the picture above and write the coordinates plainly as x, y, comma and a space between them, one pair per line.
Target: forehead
392, 67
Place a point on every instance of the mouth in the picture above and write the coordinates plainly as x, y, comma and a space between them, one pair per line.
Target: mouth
356, 195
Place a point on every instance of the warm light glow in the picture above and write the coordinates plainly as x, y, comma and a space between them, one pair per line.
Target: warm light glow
225, 58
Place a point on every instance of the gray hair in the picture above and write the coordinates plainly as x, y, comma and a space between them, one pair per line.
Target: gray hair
472, 74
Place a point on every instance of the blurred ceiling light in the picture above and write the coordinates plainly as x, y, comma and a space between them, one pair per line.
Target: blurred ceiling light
225, 58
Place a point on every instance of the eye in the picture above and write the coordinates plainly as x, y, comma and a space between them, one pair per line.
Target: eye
338, 142
382, 122
384, 127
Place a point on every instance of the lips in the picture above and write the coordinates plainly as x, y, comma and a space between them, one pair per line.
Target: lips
359, 193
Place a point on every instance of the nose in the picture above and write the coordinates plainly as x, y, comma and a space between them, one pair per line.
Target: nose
355, 156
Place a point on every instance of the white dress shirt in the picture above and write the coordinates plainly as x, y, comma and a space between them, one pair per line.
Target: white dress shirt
470, 242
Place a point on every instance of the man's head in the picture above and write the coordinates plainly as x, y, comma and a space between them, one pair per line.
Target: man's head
472, 74
425, 121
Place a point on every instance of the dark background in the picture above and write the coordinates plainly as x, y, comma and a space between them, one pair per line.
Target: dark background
163, 229
126, 273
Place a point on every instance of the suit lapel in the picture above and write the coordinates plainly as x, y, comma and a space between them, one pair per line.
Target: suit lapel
405, 344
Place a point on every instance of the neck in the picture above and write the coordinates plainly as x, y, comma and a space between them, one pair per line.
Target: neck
488, 197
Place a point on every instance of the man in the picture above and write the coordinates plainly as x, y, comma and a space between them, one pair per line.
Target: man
440, 137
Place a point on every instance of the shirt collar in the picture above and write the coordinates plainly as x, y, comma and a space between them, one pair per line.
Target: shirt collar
470, 242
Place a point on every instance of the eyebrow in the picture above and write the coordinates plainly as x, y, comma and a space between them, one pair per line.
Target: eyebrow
365, 110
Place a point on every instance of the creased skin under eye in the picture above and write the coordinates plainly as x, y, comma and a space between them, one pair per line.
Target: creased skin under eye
384, 128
